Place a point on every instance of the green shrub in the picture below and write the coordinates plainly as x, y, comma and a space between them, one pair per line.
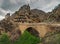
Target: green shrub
4, 39
27, 38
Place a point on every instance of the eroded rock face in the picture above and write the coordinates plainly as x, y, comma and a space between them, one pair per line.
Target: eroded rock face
54, 15
27, 15
10, 28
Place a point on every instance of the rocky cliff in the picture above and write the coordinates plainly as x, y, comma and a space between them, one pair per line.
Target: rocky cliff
26, 15
54, 16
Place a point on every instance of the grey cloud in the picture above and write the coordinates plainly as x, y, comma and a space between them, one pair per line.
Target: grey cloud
1, 1
9, 5
6, 5
1, 13
13, 6
1, 17
16, 4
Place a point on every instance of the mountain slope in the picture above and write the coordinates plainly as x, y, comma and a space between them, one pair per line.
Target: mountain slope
25, 14
54, 16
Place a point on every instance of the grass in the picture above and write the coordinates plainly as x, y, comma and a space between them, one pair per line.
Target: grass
4, 39
27, 38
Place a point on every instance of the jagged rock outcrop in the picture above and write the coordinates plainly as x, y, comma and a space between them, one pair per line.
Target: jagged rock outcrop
26, 15
10, 28
56, 10
54, 16
38, 15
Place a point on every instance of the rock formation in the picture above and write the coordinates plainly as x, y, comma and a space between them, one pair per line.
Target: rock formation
54, 16
26, 15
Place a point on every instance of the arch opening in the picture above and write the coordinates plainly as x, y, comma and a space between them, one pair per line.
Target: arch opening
33, 31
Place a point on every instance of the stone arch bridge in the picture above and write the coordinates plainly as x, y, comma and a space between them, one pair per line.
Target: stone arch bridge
41, 28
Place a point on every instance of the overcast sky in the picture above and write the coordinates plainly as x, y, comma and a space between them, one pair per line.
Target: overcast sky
11, 6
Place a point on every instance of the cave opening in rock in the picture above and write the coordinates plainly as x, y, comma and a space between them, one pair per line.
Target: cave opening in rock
33, 31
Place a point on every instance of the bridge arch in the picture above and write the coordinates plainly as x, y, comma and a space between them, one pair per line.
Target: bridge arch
32, 31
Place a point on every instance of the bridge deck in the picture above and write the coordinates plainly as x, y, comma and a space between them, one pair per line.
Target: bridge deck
52, 24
